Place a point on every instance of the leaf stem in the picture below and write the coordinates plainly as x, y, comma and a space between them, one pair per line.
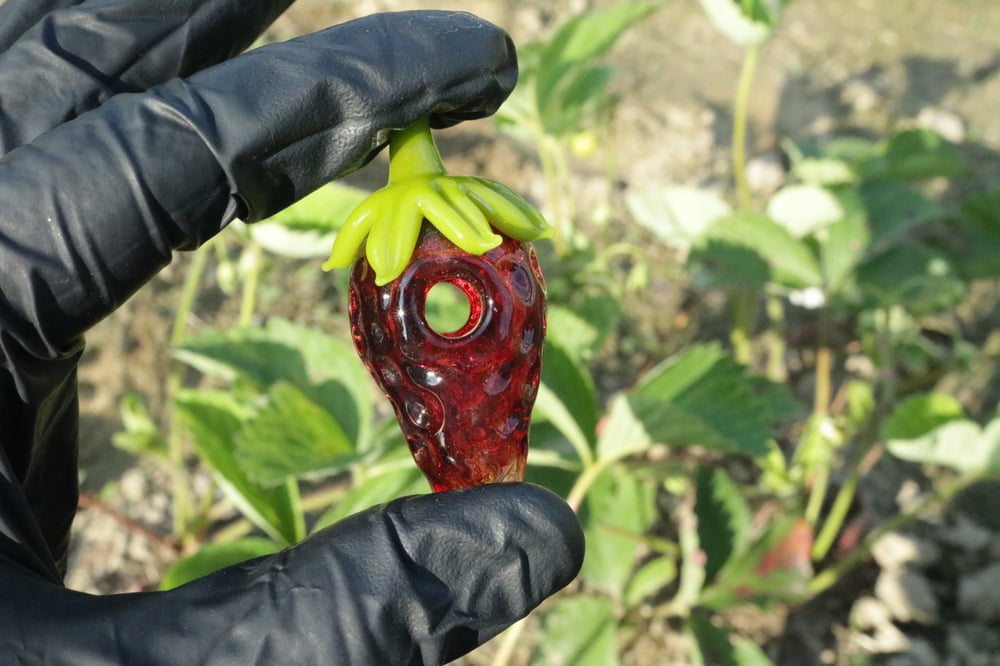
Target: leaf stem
583, 483
182, 504
248, 300
825, 579
740, 113
413, 153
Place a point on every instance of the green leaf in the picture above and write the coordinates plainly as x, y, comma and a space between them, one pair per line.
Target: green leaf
678, 215
623, 434
776, 567
580, 41
975, 235
745, 22
894, 211
141, 436
718, 264
825, 172
580, 630
723, 519
214, 418
215, 556
650, 579
324, 368
804, 209
306, 229
914, 276
914, 155
617, 506
582, 328
792, 262
398, 477
291, 436
568, 380
960, 445
918, 415
714, 646
703, 397
579, 96
842, 248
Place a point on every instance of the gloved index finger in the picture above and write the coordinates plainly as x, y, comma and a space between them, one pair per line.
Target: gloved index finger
74, 58
17, 16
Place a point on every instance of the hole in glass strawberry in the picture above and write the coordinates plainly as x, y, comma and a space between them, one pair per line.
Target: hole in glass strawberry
448, 308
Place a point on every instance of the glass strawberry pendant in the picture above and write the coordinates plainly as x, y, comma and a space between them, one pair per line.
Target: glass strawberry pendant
463, 398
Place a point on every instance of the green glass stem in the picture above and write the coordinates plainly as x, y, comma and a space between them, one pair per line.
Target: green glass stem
413, 153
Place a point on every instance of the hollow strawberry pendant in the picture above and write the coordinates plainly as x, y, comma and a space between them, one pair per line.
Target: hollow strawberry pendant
463, 398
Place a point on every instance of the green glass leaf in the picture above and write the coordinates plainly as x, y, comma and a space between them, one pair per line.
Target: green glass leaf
213, 419
215, 556
581, 630
723, 519
678, 215
291, 436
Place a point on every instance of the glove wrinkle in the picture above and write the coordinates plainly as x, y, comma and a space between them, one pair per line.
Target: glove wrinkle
91, 52
17, 16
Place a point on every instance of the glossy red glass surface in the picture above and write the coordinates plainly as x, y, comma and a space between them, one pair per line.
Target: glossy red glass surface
463, 399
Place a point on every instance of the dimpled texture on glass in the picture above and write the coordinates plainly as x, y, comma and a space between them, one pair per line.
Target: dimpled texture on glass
463, 399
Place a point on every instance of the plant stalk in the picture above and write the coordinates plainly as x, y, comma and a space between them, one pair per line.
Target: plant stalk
776, 370
182, 504
825, 579
740, 114
248, 300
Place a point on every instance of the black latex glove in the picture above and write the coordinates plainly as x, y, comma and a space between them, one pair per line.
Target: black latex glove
420, 581
128, 130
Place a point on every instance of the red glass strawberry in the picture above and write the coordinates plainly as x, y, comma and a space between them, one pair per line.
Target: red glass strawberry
463, 399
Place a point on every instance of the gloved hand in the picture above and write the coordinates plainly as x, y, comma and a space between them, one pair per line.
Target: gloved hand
422, 580
128, 129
